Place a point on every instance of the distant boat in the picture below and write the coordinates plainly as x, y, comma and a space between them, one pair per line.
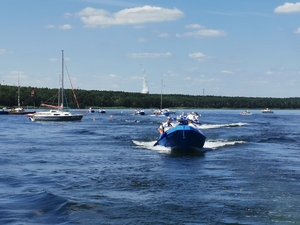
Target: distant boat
101, 111
161, 111
246, 113
56, 114
3, 111
139, 112
19, 110
91, 110
267, 110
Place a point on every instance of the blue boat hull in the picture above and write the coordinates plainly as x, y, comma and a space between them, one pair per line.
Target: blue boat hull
182, 137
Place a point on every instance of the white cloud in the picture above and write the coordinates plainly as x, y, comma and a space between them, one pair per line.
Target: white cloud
297, 31
203, 33
92, 17
50, 26
288, 8
2, 51
65, 27
226, 72
163, 35
61, 27
150, 55
187, 78
194, 26
54, 59
199, 56
141, 40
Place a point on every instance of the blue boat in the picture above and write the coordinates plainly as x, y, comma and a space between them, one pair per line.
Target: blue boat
182, 137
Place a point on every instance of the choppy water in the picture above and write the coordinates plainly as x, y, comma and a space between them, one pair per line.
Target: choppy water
105, 170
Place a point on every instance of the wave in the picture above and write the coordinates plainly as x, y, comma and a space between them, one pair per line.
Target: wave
221, 143
209, 145
150, 145
40, 207
214, 126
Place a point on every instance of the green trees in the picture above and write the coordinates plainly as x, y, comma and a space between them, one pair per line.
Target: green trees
102, 99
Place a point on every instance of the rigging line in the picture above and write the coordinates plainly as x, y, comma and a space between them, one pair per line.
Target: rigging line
52, 99
73, 89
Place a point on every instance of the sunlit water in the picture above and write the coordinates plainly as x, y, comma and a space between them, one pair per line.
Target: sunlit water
105, 170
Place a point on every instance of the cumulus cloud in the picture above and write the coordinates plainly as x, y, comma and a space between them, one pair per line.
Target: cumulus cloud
297, 31
141, 40
288, 8
65, 27
92, 17
226, 72
161, 34
150, 55
201, 31
2, 51
50, 26
199, 56
113, 76
194, 26
61, 27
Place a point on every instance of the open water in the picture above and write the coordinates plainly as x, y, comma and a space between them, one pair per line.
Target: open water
105, 170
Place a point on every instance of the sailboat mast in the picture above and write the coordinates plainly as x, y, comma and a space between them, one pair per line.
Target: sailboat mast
62, 79
161, 92
19, 105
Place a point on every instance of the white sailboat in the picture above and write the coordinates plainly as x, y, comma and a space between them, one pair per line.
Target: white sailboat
161, 111
19, 110
56, 114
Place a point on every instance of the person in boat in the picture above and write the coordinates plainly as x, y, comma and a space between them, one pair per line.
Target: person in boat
165, 126
194, 116
191, 123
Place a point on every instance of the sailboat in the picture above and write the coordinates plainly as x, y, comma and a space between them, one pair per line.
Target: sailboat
57, 113
19, 110
161, 111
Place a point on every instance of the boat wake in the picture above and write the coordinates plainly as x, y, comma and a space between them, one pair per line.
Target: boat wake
214, 126
150, 145
221, 143
209, 145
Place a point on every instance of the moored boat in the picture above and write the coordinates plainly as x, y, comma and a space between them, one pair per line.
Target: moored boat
139, 112
3, 111
54, 115
19, 110
266, 110
246, 113
101, 111
57, 113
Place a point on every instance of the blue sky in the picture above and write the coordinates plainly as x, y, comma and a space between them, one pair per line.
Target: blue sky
211, 47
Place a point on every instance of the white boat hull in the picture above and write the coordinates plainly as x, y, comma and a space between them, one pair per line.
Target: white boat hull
54, 115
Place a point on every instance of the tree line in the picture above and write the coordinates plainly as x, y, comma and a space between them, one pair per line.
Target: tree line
33, 97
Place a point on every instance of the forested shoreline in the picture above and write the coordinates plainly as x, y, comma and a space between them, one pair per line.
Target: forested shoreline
33, 97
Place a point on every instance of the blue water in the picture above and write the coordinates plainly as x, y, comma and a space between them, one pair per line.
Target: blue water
105, 170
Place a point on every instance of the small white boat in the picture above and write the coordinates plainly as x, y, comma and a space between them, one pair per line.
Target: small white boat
54, 115
101, 111
91, 110
266, 110
246, 113
139, 112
